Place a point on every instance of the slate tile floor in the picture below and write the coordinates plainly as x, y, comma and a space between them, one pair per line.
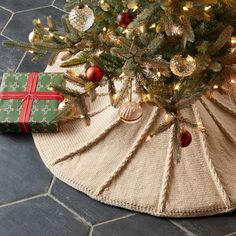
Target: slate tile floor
32, 201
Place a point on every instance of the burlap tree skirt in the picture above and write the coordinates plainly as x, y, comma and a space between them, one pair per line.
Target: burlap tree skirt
110, 165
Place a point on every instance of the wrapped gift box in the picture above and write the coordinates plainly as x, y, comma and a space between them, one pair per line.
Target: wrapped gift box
27, 104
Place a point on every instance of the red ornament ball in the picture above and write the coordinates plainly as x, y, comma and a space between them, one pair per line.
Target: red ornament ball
185, 138
94, 74
124, 19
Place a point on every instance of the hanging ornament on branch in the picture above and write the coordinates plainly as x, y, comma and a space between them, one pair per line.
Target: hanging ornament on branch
130, 112
181, 66
68, 110
124, 19
94, 74
185, 138
81, 18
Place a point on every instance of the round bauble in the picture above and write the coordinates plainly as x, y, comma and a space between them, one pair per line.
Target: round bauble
183, 66
94, 74
81, 18
185, 138
124, 19
71, 111
130, 112
34, 37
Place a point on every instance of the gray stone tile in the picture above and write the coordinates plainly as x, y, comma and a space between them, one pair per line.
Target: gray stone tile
211, 226
9, 58
19, 5
21, 24
39, 217
91, 210
28, 66
4, 17
138, 225
22, 173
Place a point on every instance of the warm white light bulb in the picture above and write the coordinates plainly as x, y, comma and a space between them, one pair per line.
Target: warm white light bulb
38, 21
122, 74
141, 28
177, 87
207, 8
233, 40
148, 97
152, 26
114, 96
125, 32
148, 138
135, 8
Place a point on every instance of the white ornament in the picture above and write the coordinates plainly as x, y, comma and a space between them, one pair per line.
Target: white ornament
81, 18
34, 37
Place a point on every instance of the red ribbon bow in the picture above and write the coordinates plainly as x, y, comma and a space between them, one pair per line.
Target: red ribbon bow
28, 96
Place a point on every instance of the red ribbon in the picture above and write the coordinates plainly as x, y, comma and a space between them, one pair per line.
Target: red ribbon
28, 97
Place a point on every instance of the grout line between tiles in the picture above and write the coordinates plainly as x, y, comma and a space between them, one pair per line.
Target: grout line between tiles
23, 200
51, 184
59, 9
6, 9
90, 231
23, 57
53, 2
69, 209
32, 9
115, 219
5, 26
188, 233
6, 37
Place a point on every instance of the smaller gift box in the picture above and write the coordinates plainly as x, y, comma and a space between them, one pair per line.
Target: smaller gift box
27, 104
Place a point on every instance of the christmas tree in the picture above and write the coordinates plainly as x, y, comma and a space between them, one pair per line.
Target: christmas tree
168, 52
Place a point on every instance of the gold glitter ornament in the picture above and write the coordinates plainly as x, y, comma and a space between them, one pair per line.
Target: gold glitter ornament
81, 18
130, 112
181, 66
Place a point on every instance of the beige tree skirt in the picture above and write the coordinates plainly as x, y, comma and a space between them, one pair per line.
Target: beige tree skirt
111, 166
